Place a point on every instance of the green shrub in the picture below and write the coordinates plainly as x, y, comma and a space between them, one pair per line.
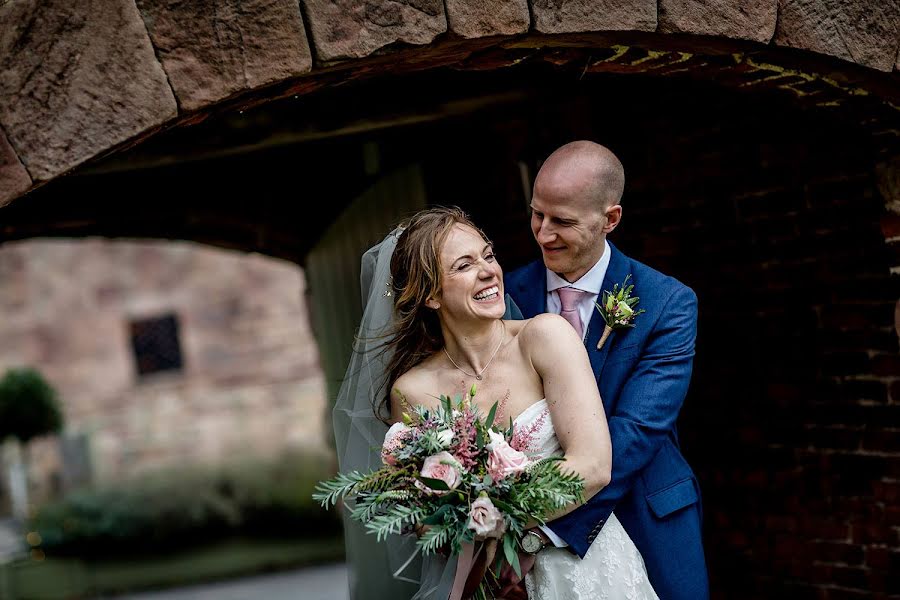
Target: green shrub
181, 508
28, 405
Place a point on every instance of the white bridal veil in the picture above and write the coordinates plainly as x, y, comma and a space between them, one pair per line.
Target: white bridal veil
359, 434
379, 570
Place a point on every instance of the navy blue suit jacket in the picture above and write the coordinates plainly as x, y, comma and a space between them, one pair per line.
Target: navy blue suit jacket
643, 376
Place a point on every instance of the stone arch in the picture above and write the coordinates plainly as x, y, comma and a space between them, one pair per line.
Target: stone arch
86, 78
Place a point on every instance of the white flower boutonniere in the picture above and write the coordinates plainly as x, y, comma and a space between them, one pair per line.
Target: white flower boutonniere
617, 309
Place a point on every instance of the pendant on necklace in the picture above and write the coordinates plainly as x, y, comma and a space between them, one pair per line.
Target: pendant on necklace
478, 377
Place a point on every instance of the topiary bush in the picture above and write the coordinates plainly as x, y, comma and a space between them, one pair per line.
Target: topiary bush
28, 406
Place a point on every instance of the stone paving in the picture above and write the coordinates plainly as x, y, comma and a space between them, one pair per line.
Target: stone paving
324, 582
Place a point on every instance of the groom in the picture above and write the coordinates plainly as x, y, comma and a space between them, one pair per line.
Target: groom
642, 373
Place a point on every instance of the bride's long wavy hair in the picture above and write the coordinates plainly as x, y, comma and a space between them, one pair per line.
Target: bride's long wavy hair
415, 278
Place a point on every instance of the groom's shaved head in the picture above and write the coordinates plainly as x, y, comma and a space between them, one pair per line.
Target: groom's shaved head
574, 205
585, 170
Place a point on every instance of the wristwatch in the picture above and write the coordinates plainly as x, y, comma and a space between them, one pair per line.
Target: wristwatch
532, 542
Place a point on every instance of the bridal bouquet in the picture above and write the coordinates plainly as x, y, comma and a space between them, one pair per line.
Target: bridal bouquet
467, 479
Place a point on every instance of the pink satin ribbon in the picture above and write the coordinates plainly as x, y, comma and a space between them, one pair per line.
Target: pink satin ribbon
463, 568
526, 561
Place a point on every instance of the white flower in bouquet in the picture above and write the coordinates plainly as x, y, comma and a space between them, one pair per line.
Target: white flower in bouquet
445, 437
486, 519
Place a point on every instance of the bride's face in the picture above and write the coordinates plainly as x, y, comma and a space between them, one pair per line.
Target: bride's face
472, 280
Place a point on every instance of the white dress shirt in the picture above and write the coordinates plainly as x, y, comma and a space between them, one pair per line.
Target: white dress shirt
590, 282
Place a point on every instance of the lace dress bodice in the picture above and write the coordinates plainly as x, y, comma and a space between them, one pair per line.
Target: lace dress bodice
612, 569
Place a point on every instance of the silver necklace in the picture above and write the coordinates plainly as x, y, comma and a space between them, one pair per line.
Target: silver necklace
478, 375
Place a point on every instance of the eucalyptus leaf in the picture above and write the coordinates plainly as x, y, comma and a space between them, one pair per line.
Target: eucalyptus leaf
512, 555
435, 484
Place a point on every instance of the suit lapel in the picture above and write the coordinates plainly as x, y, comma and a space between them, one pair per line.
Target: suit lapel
615, 273
532, 290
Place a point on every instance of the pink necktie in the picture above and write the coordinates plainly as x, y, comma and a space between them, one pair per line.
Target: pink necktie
568, 300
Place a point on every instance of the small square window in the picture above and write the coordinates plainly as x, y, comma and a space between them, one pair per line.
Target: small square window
156, 345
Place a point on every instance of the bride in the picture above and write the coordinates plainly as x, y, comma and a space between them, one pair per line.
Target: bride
446, 333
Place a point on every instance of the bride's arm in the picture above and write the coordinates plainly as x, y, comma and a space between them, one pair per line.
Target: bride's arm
560, 359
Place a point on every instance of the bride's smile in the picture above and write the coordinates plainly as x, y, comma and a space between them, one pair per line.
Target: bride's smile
488, 295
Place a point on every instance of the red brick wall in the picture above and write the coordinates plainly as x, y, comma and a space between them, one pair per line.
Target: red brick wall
793, 418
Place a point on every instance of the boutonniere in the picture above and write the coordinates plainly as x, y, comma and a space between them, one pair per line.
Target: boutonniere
617, 309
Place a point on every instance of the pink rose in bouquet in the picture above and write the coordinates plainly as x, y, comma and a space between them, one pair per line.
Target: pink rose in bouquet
393, 441
486, 519
503, 459
443, 467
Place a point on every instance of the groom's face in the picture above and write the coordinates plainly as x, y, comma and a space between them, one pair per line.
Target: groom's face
569, 231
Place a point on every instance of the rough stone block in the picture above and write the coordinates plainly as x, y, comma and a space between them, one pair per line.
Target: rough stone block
860, 31
211, 49
343, 29
482, 18
77, 77
570, 16
14, 179
738, 19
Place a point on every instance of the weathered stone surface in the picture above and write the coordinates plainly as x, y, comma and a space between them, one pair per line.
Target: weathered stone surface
861, 31
569, 16
738, 19
14, 179
212, 49
76, 78
482, 18
344, 29
250, 377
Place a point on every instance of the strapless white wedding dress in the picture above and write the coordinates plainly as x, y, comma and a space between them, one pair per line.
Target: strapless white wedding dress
612, 569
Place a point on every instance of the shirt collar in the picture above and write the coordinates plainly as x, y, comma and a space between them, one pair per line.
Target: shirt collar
589, 282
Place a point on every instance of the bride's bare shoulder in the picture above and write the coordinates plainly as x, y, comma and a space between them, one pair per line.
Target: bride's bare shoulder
541, 329
413, 387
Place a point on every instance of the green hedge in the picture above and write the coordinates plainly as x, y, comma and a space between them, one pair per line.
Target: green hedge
178, 509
